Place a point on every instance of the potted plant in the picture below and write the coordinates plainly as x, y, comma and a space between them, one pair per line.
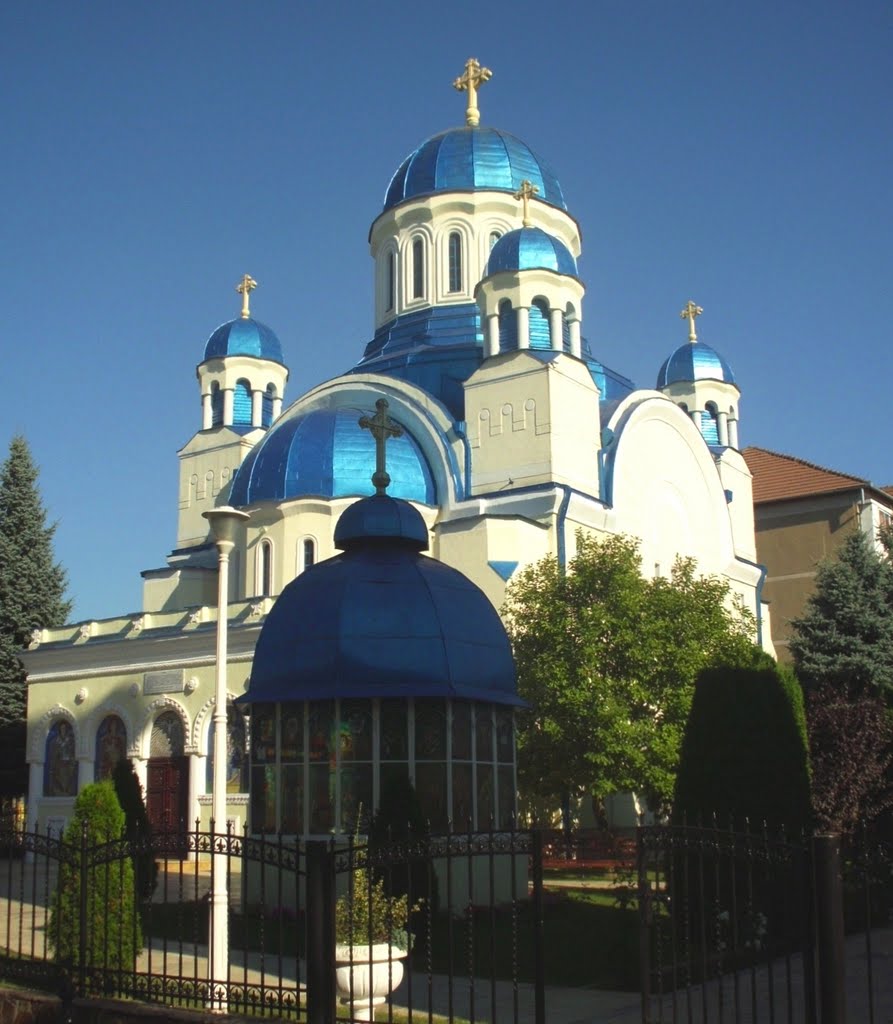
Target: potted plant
371, 940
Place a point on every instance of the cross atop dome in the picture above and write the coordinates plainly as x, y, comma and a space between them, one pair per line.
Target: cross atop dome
525, 193
245, 287
382, 427
470, 82
689, 313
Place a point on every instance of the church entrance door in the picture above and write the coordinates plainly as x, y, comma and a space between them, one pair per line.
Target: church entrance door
167, 792
167, 781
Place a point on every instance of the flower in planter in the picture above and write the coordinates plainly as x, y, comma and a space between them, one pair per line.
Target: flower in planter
367, 915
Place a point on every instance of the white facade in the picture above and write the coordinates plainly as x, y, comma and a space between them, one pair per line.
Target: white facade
521, 448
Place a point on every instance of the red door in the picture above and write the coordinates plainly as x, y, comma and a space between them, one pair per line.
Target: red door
167, 793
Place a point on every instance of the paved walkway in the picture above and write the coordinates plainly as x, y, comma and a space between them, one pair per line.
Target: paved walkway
23, 921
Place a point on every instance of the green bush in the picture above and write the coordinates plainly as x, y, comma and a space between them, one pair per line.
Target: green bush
745, 753
136, 827
113, 936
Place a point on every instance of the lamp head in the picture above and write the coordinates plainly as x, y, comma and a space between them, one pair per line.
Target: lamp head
224, 522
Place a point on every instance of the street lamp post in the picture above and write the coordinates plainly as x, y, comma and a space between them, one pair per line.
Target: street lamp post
224, 523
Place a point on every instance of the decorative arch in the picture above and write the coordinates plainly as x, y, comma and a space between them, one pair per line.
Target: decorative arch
508, 327
156, 708
710, 423
242, 401
60, 761
538, 321
419, 240
42, 728
198, 736
102, 712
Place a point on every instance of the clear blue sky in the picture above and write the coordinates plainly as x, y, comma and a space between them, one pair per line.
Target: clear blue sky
736, 154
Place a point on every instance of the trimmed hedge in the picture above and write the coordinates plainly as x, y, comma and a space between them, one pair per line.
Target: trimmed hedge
745, 752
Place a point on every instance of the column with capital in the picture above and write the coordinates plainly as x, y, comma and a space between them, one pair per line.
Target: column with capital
523, 315
556, 329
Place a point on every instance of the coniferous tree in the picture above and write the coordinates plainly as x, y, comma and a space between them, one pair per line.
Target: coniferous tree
32, 583
845, 636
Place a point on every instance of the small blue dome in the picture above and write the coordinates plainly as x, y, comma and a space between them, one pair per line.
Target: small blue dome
381, 517
467, 159
382, 620
694, 361
531, 249
323, 453
244, 337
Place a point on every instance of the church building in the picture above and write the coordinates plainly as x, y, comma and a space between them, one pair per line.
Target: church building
510, 435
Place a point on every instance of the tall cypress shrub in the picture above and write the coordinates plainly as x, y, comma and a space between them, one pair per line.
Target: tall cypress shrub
113, 935
745, 752
136, 827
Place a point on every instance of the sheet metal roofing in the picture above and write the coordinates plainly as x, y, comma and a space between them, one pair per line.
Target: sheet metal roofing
531, 249
244, 336
382, 620
323, 453
778, 477
694, 361
472, 159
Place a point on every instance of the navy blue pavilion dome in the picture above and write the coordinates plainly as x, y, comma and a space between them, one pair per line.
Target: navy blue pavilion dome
322, 453
694, 361
382, 620
472, 159
244, 336
531, 249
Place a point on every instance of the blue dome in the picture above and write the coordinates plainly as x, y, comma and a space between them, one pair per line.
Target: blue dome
381, 517
244, 337
323, 453
531, 249
472, 159
694, 361
382, 620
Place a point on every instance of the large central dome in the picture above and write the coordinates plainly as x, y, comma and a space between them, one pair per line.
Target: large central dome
471, 159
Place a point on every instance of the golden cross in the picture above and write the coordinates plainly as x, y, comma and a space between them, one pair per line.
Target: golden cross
689, 313
525, 193
381, 426
470, 82
245, 287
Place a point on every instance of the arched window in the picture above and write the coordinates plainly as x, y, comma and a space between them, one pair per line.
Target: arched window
709, 426
565, 333
111, 747
390, 283
538, 320
684, 407
508, 327
266, 416
168, 736
236, 753
418, 269
242, 402
60, 769
308, 554
455, 261
265, 569
216, 404
494, 237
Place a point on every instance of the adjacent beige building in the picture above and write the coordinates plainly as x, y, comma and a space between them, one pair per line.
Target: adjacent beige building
802, 514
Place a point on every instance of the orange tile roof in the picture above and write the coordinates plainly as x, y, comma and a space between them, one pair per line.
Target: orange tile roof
777, 477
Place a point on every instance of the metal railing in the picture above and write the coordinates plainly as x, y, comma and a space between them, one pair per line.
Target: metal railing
127, 918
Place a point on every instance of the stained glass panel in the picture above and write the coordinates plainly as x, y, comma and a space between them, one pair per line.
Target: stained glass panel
292, 798
430, 730
292, 732
483, 731
321, 720
111, 746
394, 736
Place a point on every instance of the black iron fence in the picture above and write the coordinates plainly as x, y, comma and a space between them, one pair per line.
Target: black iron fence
747, 926
445, 926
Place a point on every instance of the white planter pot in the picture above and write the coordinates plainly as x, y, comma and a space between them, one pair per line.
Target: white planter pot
365, 975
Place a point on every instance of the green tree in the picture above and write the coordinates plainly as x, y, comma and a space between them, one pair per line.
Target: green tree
845, 636
32, 583
113, 934
608, 660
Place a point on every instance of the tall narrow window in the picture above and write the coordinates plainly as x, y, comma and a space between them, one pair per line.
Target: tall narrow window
242, 402
309, 554
418, 269
455, 260
266, 417
538, 325
216, 404
60, 769
494, 237
265, 581
390, 273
